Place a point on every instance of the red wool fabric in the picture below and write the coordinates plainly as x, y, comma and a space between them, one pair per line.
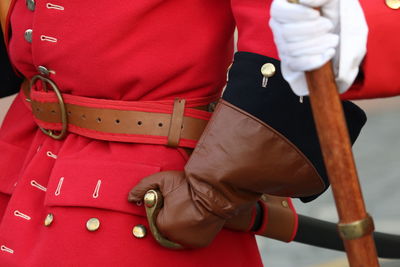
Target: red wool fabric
126, 51
379, 71
132, 51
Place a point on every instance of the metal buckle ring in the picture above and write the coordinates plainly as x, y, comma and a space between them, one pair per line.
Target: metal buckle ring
64, 121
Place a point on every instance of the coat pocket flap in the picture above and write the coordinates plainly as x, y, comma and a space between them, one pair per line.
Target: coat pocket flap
96, 184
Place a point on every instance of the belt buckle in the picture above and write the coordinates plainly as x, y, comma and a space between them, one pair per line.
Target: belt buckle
63, 111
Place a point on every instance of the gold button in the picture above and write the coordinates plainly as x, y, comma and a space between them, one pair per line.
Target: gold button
93, 224
393, 4
30, 4
285, 204
28, 35
139, 231
268, 70
49, 220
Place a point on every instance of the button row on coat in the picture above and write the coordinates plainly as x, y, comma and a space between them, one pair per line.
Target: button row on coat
93, 224
31, 5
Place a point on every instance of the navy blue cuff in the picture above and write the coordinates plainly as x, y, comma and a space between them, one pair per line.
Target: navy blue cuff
276, 105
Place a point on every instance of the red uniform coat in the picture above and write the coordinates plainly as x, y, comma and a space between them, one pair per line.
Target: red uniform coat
123, 50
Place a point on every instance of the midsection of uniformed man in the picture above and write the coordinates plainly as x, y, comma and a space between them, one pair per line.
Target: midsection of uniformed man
67, 200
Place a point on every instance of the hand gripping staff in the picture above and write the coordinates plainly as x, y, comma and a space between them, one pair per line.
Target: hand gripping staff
355, 224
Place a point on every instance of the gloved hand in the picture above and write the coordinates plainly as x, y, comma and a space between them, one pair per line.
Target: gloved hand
258, 141
237, 159
307, 38
185, 218
273, 217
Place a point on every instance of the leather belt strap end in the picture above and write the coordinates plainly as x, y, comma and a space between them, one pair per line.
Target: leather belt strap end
175, 128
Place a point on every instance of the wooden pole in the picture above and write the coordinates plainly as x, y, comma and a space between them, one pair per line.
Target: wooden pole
338, 157
4, 7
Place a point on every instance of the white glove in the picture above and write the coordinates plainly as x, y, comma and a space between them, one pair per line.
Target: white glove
307, 38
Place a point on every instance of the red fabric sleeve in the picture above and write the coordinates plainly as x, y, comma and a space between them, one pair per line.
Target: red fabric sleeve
379, 75
254, 34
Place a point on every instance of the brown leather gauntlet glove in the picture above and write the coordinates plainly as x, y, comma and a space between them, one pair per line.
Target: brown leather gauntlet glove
243, 153
237, 159
273, 217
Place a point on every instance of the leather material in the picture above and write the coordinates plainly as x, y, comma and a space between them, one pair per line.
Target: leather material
277, 106
176, 125
158, 123
237, 159
255, 158
245, 219
278, 219
182, 219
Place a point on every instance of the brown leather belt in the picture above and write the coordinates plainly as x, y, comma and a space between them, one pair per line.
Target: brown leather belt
173, 123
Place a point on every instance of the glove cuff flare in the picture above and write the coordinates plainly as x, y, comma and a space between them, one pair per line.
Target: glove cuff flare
260, 140
239, 158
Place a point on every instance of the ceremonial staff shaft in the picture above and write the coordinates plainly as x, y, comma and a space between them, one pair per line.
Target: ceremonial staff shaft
355, 225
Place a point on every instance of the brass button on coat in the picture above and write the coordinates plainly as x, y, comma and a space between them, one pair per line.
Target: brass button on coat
139, 231
30, 4
49, 220
28, 35
268, 70
93, 224
393, 4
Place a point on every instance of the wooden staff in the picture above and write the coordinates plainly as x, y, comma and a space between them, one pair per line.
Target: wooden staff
355, 225
4, 7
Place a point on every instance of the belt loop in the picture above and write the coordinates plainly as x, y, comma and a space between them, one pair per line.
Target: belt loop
175, 128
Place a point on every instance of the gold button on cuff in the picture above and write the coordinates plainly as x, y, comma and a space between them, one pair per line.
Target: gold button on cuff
268, 70
93, 224
393, 4
49, 220
139, 231
285, 204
